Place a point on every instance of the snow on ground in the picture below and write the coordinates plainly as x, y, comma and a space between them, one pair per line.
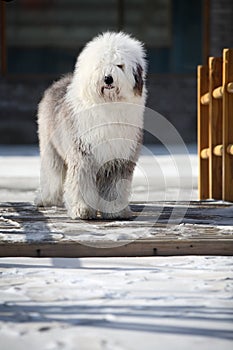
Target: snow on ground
118, 303
114, 303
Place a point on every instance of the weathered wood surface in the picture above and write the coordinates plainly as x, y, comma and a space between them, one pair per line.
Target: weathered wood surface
158, 228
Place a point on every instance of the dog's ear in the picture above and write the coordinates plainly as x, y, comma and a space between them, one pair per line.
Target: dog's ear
137, 72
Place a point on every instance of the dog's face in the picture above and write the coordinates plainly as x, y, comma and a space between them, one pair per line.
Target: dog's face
121, 80
112, 68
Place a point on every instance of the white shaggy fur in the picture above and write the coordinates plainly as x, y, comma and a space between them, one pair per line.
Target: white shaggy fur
90, 129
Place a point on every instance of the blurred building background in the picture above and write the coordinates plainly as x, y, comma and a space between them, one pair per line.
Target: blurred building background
40, 40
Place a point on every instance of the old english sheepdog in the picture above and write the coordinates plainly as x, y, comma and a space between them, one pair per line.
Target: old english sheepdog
90, 130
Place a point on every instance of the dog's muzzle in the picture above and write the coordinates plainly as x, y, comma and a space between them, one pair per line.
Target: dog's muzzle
108, 82
109, 89
108, 79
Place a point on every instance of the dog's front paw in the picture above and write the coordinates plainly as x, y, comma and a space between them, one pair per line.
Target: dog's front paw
82, 212
42, 201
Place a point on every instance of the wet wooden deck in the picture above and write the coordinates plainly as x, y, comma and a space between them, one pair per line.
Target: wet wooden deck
157, 228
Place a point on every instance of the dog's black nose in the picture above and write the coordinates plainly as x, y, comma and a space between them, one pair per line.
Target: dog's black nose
108, 79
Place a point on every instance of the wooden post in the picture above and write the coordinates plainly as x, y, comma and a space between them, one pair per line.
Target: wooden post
227, 125
202, 128
215, 129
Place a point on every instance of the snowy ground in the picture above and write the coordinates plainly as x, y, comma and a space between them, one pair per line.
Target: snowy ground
136, 303
115, 303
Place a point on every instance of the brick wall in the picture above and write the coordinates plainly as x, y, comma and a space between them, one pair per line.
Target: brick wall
18, 103
221, 26
172, 96
175, 98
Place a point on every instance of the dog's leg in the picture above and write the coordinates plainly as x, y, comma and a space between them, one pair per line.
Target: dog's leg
115, 198
52, 175
79, 191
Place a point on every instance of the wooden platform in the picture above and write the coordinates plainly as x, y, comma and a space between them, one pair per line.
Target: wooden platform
158, 228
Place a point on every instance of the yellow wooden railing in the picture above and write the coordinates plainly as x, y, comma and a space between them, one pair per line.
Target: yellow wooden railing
215, 127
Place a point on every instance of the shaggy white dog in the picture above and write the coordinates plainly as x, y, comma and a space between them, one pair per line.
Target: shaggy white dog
90, 129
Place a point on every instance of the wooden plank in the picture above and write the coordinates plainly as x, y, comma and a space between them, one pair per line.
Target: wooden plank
202, 130
137, 248
157, 229
227, 125
215, 128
